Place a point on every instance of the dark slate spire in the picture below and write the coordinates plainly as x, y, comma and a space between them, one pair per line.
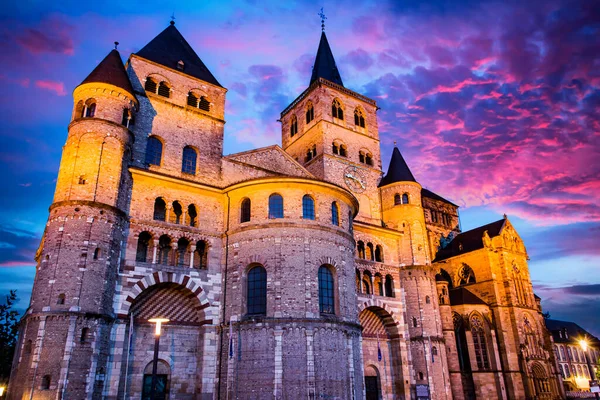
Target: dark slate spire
325, 64
398, 170
111, 71
169, 47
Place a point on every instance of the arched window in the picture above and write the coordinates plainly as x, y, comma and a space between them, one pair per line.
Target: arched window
335, 214
150, 85
562, 354
343, 151
127, 119
434, 351
275, 206
361, 156
479, 342
188, 162
414, 322
46, 380
350, 222
97, 253
421, 376
201, 255
293, 126
389, 286
84, 335
308, 207
444, 276
570, 354
160, 209
257, 291
360, 249
245, 210
310, 112
405, 198
311, 152
192, 215
359, 118
204, 104
427, 300
369, 252
368, 159
379, 253
461, 342
378, 285
192, 100
336, 110
61, 299
335, 149
89, 109
164, 90
465, 275
177, 213
397, 199
326, 299
164, 249
143, 243
182, 250
154, 151
161, 390
367, 283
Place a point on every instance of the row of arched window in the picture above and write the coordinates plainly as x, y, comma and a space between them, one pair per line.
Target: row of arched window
87, 109
377, 285
440, 217
400, 199
337, 112
175, 214
369, 252
340, 149
154, 150
256, 290
576, 370
276, 209
575, 354
182, 253
163, 88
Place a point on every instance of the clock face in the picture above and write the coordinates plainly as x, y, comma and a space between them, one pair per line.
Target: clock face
355, 179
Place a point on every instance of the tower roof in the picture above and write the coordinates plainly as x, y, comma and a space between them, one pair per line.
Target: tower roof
170, 47
111, 71
325, 64
398, 170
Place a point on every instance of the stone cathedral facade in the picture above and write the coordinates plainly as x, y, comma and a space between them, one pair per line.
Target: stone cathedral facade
293, 272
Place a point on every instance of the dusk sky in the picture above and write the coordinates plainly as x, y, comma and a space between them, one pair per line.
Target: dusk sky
494, 105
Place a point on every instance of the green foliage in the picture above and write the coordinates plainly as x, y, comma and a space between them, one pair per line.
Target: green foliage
8, 334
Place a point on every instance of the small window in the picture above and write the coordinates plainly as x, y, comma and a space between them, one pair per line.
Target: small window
177, 213
84, 335
414, 322
182, 250
192, 215
160, 209
188, 162
61, 299
308, 207
343, 151
370, 253
275, 206
293, 126
311, 152
310, 112
154, 151
389, 286
427, 300
204, 104
150, 85
89, 110
82, 180
201, 255
46, 382
335, 149
368, 159
359, 118
192, 100
360, 248
326, 298
127, 119
397, 199
361, 157
421, 376
434, 351
336, 110
143, 244
164, 90
379, 253
97, 253
405, 198
164, 250
335, 214
257, 291
245, 210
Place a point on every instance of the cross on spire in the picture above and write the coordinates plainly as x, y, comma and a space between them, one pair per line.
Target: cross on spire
116, 44
173, 18
323, 18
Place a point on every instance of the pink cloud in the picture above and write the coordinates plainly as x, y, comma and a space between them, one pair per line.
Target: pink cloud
53, 86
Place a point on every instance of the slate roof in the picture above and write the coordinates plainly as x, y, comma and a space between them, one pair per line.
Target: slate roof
470, 240
434, 196
111, 71
461, 296
325, 66
574, 332
169, 47
398, 170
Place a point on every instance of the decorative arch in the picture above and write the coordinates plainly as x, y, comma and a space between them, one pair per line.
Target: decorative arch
384, 314
465, 275
337, 109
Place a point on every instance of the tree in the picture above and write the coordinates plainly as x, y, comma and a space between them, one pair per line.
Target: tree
8, 334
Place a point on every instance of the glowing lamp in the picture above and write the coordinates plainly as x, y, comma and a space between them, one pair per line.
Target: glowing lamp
158, 322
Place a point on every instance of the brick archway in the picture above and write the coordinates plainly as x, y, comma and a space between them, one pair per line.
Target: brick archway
163, 277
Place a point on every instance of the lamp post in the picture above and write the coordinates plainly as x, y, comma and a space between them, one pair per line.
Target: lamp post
2, 388
157, 331
584, 346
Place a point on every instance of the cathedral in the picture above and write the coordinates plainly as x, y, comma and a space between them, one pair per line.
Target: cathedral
299, 271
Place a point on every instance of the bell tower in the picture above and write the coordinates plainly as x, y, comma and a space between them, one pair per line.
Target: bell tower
332, 131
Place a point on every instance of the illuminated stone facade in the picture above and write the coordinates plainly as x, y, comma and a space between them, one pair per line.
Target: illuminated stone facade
286, 272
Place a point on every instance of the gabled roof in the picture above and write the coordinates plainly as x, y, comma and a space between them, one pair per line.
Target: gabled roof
170, 47
470, 240
398, 170
434, 196
573, 332
460, 296
325, 66
111, 71
273, 159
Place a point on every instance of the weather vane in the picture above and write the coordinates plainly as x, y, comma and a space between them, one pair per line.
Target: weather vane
323, 18
173, 18
116, 44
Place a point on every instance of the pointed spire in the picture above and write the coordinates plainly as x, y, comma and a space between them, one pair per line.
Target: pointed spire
111, 71
398, 170
325, 64
169, 48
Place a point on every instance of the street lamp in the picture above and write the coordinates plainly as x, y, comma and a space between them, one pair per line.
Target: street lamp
158, 321
584, 346
2, 388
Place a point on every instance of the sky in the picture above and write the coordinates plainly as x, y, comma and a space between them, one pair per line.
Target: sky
494, 105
